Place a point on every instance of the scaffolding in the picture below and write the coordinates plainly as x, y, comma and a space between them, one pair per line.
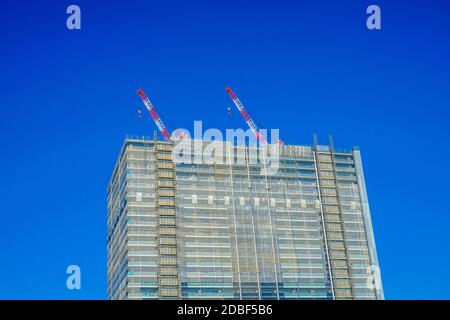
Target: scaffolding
167, 273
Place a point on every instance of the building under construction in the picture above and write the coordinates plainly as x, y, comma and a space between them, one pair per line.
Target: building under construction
233, 230
229, 231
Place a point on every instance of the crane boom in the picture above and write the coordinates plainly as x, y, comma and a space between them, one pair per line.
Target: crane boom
246, 116
156, 118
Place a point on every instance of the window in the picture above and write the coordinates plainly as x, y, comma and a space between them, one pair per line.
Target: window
303, 203
273, 202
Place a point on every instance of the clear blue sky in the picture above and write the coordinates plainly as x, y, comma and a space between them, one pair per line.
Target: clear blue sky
68, 98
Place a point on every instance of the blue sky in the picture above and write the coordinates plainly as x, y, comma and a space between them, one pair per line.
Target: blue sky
68, 98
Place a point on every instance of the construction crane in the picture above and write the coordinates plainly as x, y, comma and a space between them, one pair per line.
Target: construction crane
246, 116
156, 118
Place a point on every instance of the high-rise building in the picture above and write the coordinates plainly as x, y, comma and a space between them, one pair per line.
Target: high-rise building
230, 230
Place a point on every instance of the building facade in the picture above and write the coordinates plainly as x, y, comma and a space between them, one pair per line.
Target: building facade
231, 231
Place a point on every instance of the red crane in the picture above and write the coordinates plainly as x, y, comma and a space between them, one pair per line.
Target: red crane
246, 116
156, 118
